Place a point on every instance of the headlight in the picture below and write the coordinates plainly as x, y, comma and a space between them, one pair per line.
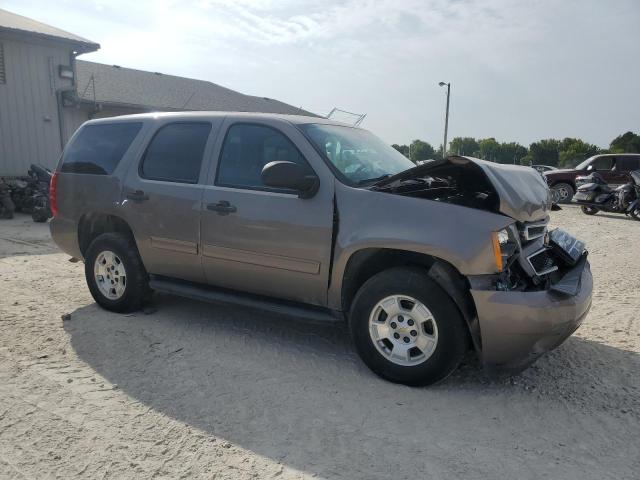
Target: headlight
503, 236
504, 246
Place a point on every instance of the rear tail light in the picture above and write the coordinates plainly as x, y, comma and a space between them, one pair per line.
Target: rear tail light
53, 197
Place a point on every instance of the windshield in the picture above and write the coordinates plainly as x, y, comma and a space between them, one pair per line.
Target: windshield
357, 154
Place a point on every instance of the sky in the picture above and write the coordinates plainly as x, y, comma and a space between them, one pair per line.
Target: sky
519, 70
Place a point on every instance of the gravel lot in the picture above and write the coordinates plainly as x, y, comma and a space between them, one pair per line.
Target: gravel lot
203, 391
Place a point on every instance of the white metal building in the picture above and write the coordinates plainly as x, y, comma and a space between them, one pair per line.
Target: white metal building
46, 93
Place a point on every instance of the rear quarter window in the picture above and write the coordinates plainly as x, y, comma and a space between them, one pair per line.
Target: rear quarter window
99, 148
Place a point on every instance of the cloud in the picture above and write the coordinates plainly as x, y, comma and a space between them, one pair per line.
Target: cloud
520, 70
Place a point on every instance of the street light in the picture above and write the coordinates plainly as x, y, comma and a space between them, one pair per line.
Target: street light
446, 118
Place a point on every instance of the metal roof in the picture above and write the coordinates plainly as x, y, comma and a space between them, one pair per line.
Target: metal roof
115, 85
12, 22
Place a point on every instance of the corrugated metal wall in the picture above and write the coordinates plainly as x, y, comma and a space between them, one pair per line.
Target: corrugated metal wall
29, 129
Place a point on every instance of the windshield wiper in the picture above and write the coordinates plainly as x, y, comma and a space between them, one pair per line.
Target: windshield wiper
374, 180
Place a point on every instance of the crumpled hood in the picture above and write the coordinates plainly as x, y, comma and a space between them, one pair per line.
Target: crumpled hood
523, 193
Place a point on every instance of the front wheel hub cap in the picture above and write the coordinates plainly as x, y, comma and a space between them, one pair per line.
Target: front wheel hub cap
110, 275
414, 335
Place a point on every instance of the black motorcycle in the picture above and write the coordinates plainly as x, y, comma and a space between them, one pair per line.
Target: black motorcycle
594, 195
32, 195
6, 204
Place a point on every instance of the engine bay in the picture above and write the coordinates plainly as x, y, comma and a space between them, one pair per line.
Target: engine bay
456, 183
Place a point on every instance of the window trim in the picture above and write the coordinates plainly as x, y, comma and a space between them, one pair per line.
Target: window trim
255, 188
158, 130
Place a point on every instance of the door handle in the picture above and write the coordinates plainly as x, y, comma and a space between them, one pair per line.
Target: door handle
222, 207
137, 196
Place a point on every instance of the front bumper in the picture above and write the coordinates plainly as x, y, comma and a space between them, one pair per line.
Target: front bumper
517, 327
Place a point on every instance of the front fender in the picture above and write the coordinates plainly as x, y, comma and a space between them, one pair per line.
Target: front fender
458, 235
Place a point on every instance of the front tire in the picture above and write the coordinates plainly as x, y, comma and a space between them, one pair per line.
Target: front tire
589, 210
406, 328
564, 191
115, 274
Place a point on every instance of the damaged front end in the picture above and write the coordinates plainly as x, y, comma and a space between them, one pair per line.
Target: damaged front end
541, 287
524, 257
529, 258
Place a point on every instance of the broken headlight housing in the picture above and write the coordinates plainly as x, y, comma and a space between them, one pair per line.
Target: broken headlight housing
505, 245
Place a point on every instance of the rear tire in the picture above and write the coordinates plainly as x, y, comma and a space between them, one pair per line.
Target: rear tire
565, 192
589, 210
115, 274
434, 342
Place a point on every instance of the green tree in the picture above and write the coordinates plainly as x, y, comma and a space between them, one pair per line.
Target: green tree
544, 152
421, 151
437, 155
489, 149
628, 142
464, 146
511, 152
574, 150
403, 149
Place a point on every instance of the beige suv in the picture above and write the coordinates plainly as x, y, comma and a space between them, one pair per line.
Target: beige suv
306, 217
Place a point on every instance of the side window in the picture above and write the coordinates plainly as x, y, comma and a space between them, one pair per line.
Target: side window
175, 152
602, 163
98, 148
627, 164
247, 149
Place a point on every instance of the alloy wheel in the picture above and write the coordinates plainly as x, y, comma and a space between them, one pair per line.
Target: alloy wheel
110, 275
403, 330
563, 193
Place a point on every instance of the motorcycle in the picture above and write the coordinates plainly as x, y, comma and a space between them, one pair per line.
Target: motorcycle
6, 204
32, 195
594, 195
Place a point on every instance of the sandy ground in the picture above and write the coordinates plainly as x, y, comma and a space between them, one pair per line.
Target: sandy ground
202, 391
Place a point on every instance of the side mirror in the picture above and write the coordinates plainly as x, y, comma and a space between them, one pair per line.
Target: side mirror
291, 176
589, 168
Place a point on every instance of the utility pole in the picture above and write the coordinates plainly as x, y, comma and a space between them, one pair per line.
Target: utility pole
446, 119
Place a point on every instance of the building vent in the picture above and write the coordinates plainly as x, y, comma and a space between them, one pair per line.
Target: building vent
3, 73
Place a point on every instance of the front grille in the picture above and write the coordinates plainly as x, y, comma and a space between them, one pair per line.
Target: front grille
542, 262
531, 231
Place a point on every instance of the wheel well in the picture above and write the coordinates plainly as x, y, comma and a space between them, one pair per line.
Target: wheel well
92, 225
365, 263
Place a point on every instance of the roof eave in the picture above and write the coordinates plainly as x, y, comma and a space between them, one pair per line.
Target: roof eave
80, 46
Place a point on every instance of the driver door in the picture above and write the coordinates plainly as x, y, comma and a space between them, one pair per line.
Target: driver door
259, 239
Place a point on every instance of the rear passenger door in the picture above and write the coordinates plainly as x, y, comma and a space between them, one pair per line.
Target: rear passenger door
162, 197
260, 239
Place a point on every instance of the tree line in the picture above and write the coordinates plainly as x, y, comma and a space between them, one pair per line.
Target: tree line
564, 153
